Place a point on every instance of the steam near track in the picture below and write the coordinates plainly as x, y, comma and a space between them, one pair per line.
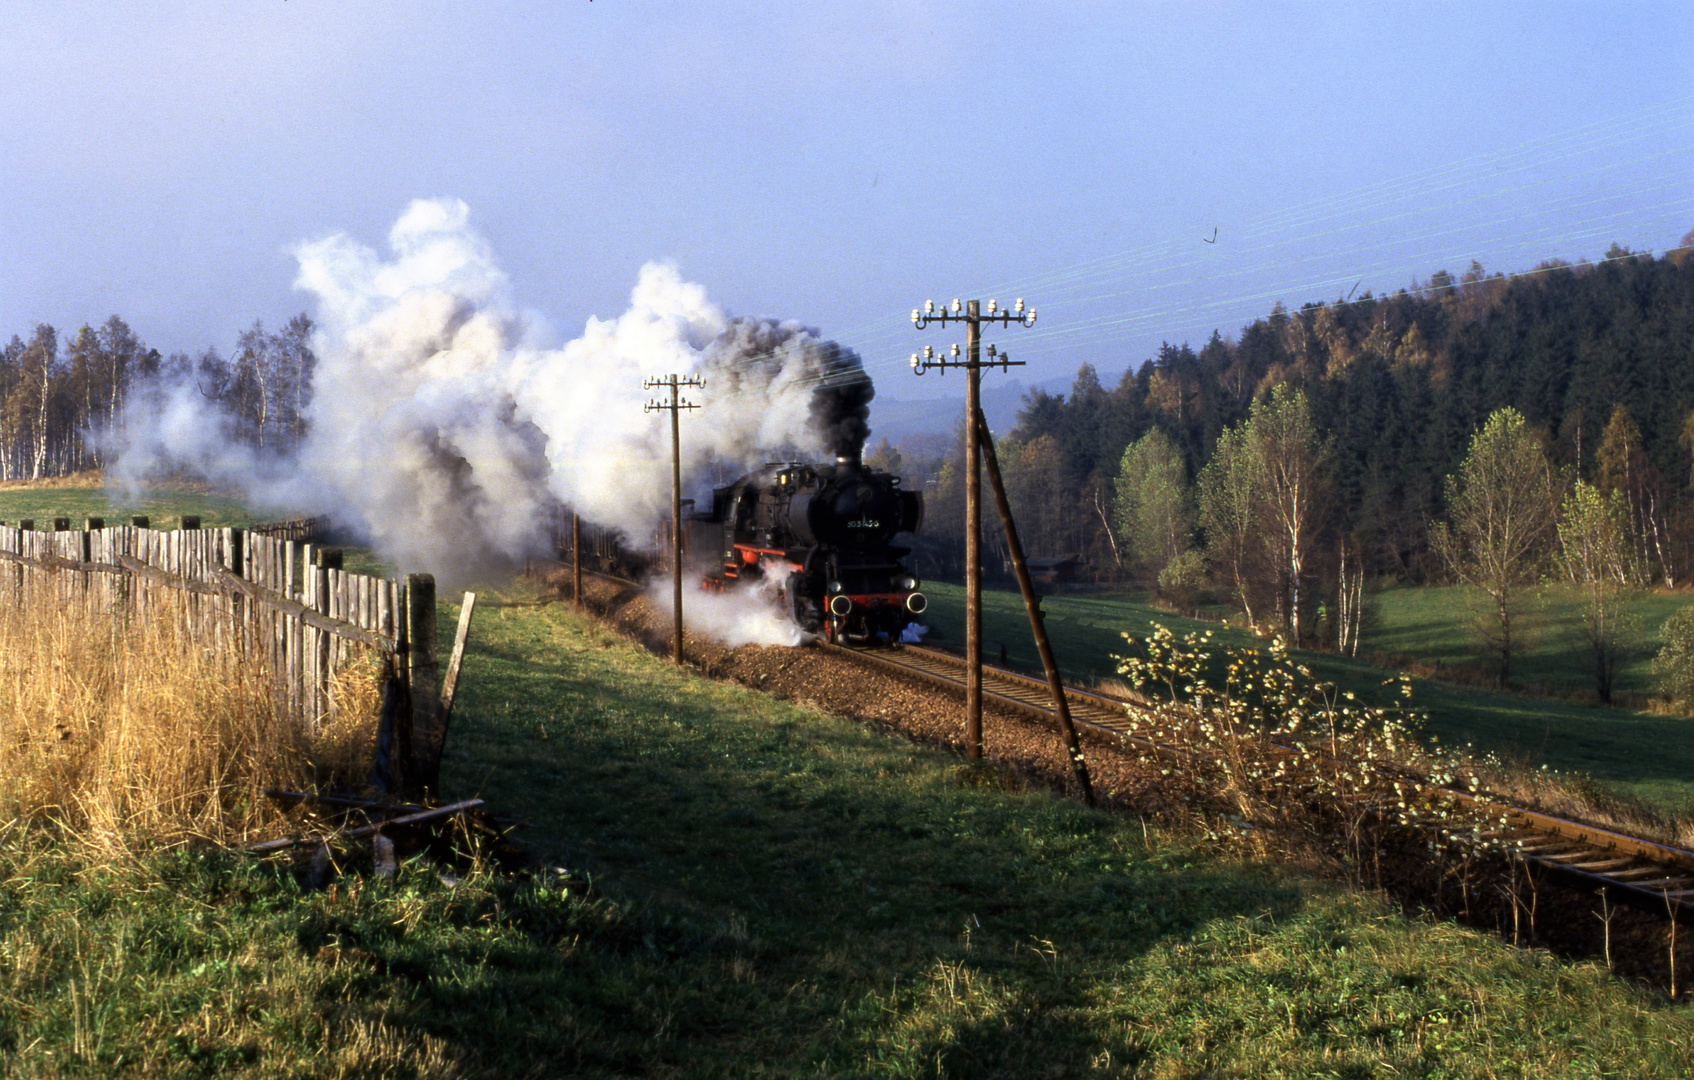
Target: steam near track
443, 419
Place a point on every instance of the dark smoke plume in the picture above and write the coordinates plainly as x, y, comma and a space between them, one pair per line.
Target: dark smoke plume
763, 359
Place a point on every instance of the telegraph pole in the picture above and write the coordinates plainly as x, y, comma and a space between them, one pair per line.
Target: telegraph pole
674, 407
1032, 604
973, 318
576, 559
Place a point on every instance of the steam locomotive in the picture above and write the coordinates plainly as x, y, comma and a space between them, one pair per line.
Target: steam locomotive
821, 535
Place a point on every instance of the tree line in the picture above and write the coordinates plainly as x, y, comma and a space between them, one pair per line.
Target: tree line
58, 396
1336, 444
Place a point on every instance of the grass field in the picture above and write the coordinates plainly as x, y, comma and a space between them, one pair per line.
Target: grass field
82, 501
775, 893
1645, 755
1434, 623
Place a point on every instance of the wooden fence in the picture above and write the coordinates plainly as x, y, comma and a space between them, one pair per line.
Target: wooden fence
295, 528
257, 599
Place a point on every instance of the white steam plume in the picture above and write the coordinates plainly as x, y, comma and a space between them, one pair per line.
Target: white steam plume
441, 425
747, 616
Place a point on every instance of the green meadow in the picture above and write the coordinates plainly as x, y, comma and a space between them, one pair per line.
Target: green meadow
163, 508
1646, 755
721, 884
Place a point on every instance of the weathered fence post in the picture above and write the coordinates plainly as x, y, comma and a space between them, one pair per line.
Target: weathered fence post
422, 751
15, 544
323, 561
234, 548
85, 555
91, 549
241, 600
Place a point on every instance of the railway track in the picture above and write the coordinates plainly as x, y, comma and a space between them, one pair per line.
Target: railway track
1650, 875
1645, 872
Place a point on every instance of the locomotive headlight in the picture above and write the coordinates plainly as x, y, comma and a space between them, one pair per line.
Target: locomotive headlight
906, 583
833, 587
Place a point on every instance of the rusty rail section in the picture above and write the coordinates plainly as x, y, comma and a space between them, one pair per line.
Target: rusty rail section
1649, 872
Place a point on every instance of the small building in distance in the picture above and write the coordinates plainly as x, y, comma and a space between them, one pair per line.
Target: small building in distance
1053, 569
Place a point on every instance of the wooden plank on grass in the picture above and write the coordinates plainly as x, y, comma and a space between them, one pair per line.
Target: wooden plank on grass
450, 683
418, 818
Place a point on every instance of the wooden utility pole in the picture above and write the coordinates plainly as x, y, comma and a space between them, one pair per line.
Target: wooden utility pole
973, 318
1032, 604
576, 559
675, 407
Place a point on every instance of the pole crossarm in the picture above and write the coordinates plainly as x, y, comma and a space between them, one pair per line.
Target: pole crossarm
972, 362
675, 383
921, 318
973, 318
675, 406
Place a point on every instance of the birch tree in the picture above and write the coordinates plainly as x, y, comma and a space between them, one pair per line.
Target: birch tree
1155, 503
1500, 523
1228, 487
37, 367
1596, 554
1292, 460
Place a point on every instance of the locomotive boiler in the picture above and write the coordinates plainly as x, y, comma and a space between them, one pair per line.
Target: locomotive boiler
821, 536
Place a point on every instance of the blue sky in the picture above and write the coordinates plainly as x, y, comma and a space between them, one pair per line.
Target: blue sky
836, 162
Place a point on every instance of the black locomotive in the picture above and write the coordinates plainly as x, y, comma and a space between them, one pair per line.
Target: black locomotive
822, 536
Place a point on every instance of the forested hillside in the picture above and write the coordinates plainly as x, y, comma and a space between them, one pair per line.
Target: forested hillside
1597, 358
59, 395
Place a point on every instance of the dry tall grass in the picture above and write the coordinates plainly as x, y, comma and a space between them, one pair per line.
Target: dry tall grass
90, 478
120, 733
